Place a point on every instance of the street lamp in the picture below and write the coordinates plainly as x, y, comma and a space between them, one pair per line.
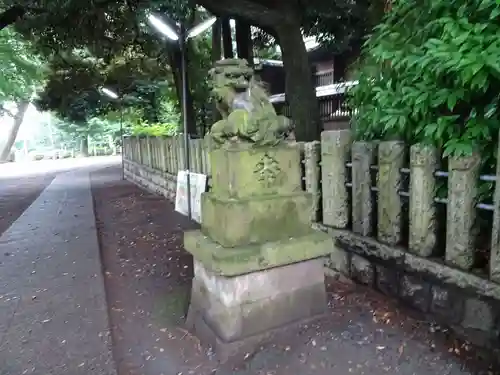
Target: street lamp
181, 35
113, 95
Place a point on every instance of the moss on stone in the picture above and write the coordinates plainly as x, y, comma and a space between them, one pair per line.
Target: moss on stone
233, 222
245, 259
243, 172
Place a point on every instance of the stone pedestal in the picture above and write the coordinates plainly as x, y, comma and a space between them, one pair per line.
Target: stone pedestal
256, 255
234, 314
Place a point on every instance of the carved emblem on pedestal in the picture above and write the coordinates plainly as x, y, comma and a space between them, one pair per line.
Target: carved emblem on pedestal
267, 170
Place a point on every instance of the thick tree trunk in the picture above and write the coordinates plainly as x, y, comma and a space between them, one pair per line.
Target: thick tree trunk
174, 57
244, 47
22, 107
153, 114
227, 39
283, 17
216, 56
84, 146
299, 87
217, 41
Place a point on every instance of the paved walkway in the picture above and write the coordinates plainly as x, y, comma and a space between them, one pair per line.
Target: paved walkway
53, 317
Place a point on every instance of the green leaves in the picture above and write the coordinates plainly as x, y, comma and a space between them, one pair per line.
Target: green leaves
155, 130
21, 71
72, 89
120, 50
431, 74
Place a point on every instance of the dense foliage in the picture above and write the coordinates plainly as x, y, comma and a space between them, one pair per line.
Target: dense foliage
22, 73
431, 73
341, 24
155, 130
107, 29
112, 45
21, 69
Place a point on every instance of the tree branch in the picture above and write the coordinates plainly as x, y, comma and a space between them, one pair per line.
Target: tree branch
18, 12
8, 111
254, 12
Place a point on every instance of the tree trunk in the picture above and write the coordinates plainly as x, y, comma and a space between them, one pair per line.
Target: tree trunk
299, 87
152, 115
227, 39
174, 58
216, 56
22, 107
217, 41
244, 47
84, 146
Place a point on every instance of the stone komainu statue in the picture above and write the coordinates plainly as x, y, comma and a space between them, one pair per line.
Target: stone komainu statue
247, 114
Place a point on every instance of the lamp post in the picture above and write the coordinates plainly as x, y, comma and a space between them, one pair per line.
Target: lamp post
113, 95
181, 35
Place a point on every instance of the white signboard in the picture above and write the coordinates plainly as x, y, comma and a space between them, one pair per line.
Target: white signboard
198, 184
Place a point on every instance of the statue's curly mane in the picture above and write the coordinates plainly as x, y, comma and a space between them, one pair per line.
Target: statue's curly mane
260, 84
229, 79
243, 101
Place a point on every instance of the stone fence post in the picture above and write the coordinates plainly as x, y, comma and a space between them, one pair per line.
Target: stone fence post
335, 145
180, 152
158, 145
135, 148
199, 155
142, 150
461, 210
162, 150
125, 148
362, 205
130, 148
312, 155
149, 159
390, 162
423, 165
172, 155
154, 148
192, 155
495, 233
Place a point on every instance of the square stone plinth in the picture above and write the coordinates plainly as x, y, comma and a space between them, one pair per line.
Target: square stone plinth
240, 222
231, 313
242, 171
245, 259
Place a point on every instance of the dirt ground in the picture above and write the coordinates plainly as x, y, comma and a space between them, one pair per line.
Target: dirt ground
148, 275
17, 194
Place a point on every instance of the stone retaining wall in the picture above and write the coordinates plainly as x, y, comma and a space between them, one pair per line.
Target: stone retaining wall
156, 181
467, 303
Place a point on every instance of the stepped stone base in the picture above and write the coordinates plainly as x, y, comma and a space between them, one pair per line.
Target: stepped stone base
239, 222
245, 259
235, 314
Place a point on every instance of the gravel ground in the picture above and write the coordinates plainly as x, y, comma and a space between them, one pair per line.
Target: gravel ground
148, 275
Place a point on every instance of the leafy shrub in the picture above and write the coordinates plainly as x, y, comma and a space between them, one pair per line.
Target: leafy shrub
155, 130
431, 73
